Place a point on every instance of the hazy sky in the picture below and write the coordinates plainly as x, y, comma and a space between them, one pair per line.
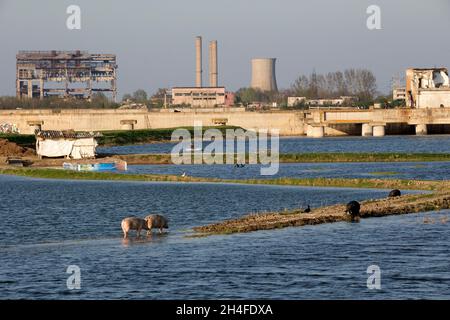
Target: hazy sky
154, 40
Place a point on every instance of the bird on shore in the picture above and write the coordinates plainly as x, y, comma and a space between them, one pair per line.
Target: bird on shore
184, 175
307, 210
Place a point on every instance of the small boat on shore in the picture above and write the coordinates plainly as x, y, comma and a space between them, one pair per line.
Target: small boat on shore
97, 166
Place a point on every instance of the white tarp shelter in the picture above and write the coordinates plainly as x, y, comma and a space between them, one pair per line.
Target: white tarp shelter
68, 144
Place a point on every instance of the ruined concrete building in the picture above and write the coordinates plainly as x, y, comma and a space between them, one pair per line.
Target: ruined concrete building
78, 74
427, 88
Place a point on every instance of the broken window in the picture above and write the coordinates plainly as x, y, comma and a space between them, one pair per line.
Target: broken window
440, 79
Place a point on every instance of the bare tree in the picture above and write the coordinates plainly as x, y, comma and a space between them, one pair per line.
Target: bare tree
355, 82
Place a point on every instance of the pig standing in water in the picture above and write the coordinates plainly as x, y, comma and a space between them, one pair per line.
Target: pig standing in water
133, 223
155, 221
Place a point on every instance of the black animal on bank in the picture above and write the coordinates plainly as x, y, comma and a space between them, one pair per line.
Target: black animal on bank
394, 193
307, 210
352, 209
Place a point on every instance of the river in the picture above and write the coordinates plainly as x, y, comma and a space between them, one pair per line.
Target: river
50, 224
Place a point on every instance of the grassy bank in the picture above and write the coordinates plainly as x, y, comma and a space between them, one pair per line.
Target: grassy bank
328, 214
309, 182
310, 158
111, 138
23, 140
364, 157
147, 135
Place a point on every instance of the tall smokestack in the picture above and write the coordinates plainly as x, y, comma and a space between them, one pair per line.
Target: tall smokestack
213, 64
198, 59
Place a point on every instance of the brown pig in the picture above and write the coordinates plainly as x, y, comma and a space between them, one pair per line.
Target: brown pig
133, 223
155, 221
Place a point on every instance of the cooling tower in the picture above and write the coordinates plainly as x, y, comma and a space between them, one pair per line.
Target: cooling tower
263, 74
198, 59
213, 64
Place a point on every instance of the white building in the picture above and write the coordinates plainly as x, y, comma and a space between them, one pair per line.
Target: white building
199, 97
68, 144
427, 88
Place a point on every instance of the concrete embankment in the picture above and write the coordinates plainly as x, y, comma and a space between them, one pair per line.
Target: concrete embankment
314, 123
335, 213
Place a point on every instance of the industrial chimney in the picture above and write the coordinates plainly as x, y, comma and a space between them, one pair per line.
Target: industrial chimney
263, 74
213, 64
198, 59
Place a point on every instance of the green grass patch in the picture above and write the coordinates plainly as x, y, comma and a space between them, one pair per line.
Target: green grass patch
363, 157
309, 182
147, 135
308, 158
23, 140
384, 173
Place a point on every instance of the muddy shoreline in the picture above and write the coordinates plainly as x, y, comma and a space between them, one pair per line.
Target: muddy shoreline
336, 213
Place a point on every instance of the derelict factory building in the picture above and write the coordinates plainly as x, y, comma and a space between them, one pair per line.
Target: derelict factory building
65, 74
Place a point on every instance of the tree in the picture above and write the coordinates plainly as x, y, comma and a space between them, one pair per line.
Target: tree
300, 87
158, 98
126, 97
160, 93
355, 82
100, 100
140, 96
248, 95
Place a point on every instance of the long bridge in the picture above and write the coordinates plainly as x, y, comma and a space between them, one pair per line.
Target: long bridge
313, 123
373, 122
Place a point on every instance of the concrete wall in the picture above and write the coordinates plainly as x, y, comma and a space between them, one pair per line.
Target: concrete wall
337, 122
289, 123
433, 98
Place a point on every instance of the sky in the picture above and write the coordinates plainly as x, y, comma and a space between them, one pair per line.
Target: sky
154, 39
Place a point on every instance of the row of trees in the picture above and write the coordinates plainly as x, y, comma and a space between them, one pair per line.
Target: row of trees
351, 82
140, 96
360, 83
99, 100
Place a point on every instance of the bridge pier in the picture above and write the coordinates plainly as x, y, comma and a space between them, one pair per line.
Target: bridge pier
421, 129
315, 131
309, 129
379, 131
367, 130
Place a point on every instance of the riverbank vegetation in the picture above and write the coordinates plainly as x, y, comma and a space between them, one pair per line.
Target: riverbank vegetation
335, 213
23, 140
308, 157
122, 137
148, 135
46, 173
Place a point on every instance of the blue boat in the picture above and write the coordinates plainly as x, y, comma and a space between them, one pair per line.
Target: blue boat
107, 166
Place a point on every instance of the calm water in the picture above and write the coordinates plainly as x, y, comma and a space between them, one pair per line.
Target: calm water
403, 144
53, 224
389, 170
